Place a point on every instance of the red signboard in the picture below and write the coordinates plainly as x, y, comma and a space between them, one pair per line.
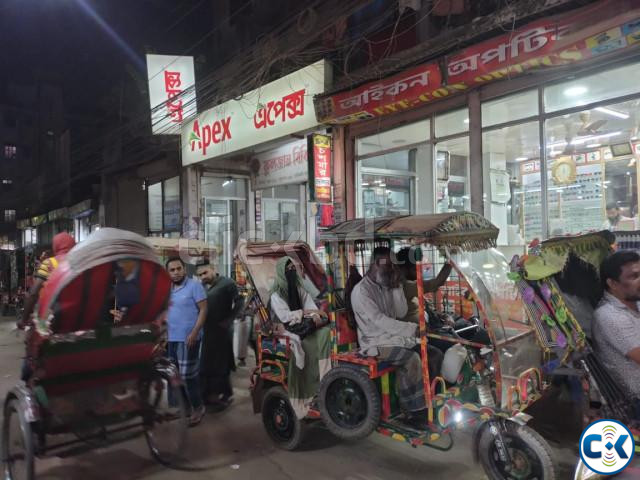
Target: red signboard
400, 92
322, 167
598, 29
560, 40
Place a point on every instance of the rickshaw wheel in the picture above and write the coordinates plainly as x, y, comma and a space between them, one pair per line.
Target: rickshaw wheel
530, 454
280, 421
165, 425
349, 403
17, 444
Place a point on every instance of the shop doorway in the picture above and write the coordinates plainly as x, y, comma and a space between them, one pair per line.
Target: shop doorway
224, 218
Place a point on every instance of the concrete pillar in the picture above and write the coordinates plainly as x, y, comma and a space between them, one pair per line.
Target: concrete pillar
191, 205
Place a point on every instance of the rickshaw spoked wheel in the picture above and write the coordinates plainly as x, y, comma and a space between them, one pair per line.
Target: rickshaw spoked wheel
17, 444
530, 455
166, 421
349, 403
280, 420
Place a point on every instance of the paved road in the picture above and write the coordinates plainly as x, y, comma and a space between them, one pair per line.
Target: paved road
233, 445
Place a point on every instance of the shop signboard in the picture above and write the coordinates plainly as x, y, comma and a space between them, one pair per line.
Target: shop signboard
400, 92
281, 166
320, 168
172, 92
560, 40
601, 28
280, 108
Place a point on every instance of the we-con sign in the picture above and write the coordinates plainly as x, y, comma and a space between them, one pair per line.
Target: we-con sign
278, 109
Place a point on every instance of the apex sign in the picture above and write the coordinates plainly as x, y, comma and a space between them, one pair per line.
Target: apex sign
278, 109
217, 132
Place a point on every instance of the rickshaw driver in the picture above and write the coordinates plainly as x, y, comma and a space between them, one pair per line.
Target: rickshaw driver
407, 264
379, 304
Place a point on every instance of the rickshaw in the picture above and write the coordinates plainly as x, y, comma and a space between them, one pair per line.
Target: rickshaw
95, 372
559, 278
494, 385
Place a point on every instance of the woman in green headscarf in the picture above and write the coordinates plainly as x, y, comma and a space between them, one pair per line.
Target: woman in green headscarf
290, 304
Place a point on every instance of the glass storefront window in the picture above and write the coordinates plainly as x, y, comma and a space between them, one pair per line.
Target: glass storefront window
227, 187
163, 205
452, 175
591, 165
394, 180
386, 195
593, 88
171, 204
281, 215
451, 123
154, 196
510, 108
395, 138
511, 157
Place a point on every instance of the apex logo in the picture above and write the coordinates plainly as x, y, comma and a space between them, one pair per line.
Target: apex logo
217, 132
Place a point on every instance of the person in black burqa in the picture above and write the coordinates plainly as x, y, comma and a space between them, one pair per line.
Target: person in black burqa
216, 357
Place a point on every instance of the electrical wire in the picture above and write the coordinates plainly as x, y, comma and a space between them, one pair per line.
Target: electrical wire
210, 91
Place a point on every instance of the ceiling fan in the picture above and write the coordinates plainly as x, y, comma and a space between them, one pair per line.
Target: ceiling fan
584, 129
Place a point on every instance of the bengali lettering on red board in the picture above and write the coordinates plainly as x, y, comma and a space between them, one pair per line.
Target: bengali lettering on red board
404, 90
596, 30
322, 167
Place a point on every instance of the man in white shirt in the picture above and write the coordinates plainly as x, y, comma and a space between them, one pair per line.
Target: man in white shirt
378, 302
616, 330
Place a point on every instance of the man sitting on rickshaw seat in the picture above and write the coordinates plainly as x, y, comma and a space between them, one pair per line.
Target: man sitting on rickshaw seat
303, 323
379, 304
616, 330
407, 263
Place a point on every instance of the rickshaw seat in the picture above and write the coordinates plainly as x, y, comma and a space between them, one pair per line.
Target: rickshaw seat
376, 368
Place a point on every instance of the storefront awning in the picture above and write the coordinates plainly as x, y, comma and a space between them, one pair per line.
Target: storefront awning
57, 214
595, 31
39, 220
81, 209
23, 224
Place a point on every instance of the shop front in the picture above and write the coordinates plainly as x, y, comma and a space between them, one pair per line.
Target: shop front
548, 153
279, 181
84, 218
252, 155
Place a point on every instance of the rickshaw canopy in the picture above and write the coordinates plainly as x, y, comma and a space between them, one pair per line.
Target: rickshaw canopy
552, 255
457, 230
84, 286
259, 259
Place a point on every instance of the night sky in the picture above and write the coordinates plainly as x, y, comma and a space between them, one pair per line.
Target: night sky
62, 41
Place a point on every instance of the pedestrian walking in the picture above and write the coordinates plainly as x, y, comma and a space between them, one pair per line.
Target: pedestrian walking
187, 315
217, 359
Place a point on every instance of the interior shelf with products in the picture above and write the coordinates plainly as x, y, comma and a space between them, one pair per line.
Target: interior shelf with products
574, 207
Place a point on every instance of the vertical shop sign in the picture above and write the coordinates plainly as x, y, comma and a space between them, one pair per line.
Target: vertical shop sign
172, 94
320, 168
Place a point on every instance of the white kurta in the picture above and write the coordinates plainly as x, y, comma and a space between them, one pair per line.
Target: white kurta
281, 309
377, 310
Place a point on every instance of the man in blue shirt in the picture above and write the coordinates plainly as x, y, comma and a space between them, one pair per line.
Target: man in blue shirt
187, 315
